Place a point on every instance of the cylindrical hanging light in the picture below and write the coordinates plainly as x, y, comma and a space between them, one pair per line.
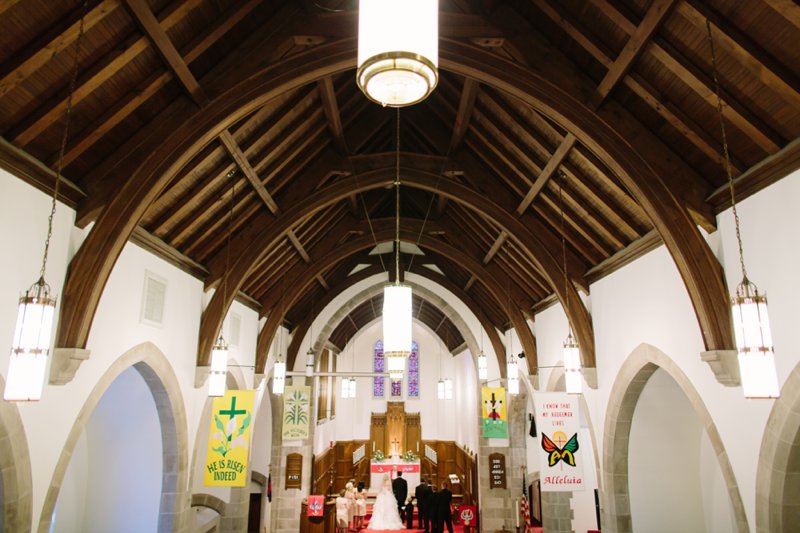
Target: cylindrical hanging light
310, 361
513, 375
754, 342
572, 365
396, 328
440, 389
345, 388
398, 50
28, 362
483, 366
352, 387
278, 377
219, 368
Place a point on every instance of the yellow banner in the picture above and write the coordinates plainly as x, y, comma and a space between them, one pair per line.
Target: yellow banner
296, 412
229, 439
495, 422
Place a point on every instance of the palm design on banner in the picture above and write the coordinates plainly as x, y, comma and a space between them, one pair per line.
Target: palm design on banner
297, 406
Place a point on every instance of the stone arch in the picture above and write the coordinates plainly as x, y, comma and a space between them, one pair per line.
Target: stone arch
15, 470
209, 501
777, 508
160, 378
631, 379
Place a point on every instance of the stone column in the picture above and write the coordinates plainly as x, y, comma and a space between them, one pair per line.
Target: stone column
497, 505
557, 512
286, 503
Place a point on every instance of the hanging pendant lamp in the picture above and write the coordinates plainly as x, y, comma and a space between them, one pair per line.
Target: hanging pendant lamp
397, 298
398, 50
33, 332
759, 376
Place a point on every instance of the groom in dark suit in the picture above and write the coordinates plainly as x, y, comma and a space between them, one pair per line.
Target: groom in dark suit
400, 489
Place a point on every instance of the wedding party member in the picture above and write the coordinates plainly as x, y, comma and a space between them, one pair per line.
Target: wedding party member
341, 513
443, 513
400, 489
422, 493
430, 518
361, 506
350, 495
384, 512
410, 512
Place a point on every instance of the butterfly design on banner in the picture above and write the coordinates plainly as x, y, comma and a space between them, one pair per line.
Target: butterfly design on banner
567, 453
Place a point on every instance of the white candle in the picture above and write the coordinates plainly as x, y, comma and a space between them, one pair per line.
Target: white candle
417, 446
373, 446
516, 514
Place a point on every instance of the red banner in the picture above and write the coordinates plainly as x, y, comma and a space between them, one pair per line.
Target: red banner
316, 505
380, 468
468, 514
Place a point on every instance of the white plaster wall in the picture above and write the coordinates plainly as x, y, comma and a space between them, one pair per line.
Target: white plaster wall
664, 460
125, 467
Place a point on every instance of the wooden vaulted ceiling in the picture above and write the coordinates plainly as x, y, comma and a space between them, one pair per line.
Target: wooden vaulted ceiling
149, 69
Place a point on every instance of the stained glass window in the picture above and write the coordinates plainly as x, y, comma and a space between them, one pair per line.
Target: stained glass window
413, 371
377, 366
397, 388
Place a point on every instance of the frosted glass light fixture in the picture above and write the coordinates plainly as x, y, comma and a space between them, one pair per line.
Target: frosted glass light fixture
398, 50
444, 389
483, 366
440, 389
310, 360
219, 368
513, 375
278, 377
572, 365
750, 321
396, 328
754, 342
348, 388
31, 346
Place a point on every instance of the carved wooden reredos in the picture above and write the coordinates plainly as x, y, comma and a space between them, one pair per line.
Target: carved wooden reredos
395, 431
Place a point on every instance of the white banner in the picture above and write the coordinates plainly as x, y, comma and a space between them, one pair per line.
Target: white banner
561, 454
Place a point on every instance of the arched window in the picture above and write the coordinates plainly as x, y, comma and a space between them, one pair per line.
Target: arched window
413, 371
377, 366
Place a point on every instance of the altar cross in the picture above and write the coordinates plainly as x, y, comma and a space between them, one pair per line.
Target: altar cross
395, 445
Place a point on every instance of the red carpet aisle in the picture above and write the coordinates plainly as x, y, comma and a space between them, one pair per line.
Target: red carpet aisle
456, 528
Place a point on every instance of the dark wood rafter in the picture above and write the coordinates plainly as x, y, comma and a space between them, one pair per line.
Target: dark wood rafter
165, 110
301, 281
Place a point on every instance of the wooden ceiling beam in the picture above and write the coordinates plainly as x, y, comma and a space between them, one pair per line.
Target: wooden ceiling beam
466, 104
53, 41
327, 95
699, 82
472, 279
93, 77
148, 22
788, 9
747, 52
139, 95
244, 165
498, 242
657, 12
552, 165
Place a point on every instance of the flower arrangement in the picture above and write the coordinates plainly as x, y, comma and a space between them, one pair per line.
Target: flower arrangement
377, 455
410, 457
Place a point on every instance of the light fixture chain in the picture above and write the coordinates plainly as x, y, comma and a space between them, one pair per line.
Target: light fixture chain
564, 245
725, 149
231, 175
68, 115
397, 204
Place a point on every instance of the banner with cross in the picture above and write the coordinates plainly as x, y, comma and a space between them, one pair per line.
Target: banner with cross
229, 439
495, 420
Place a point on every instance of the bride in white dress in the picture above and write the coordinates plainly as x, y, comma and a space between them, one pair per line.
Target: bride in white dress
384, 512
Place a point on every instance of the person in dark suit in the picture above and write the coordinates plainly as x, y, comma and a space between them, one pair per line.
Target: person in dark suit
443, 513
410, 513
400, 489
433, 498
421, 494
